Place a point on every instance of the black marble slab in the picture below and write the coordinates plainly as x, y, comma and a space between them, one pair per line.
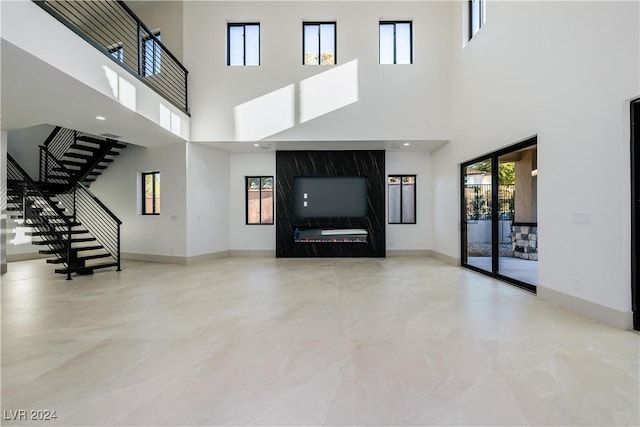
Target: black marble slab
292, 164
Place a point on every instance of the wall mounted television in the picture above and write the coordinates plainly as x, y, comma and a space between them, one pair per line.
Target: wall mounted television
330, 196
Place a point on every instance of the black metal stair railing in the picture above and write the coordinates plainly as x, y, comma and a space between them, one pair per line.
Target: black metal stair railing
87, 209
113, 28
39, 212
59, 141
96, 218
52, 173
77, 207
85, 155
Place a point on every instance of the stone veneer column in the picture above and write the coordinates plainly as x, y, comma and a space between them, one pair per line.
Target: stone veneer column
524, 239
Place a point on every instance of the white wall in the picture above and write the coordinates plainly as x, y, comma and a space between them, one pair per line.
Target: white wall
207, 200
119, 188
395, 102
416, 236
242, 236
61, 48
3, 201
23, 145
564, 71
166, 16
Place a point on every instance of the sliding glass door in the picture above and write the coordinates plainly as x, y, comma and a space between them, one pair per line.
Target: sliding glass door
499, 214
477, 214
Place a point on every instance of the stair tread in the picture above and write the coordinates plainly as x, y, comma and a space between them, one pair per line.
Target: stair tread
88, 248
83, 147
73, 240
50, 233
89, 268
72, 163
77, 155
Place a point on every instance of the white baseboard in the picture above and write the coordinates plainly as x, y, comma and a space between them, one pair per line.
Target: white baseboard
408, 252
166, 259
445, 258
253, 253
26, 256
207, 257
610, 316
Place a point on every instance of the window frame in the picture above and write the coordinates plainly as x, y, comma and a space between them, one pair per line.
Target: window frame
117, 52
415, 199
395, 44
481, 5
246, 199
154, 191
156, 63
335, 40
244, 43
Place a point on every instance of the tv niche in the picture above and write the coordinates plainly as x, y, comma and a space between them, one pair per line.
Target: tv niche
330, 197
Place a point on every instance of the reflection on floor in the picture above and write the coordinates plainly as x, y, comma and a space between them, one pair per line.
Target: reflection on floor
516, 268
289, 342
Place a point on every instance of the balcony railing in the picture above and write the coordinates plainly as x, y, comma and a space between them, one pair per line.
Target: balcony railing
111, 27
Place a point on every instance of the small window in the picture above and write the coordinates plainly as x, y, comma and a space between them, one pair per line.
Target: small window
396, 44
402, 199
243, 44
151, 54
117, 52
259, 199
319, 43
150, 193
476, 16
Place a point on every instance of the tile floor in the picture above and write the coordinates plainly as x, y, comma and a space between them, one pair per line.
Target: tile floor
262, 341
521, 269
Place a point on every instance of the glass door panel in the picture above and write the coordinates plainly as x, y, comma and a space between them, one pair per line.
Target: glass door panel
477, 215
517, 215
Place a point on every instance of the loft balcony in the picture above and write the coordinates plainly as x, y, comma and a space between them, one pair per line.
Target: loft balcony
107, 68
115, 30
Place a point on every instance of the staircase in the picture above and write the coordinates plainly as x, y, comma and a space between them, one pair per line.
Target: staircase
71, 224
79, 157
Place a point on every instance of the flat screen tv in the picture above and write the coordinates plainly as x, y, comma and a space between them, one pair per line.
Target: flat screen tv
330, 196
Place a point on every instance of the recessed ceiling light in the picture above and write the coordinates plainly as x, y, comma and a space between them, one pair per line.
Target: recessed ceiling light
406, 144
256, 145
100, 118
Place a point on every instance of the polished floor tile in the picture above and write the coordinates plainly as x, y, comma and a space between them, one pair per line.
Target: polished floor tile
262, 341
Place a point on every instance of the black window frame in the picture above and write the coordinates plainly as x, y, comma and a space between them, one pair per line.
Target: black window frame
395, 43
156, 60
471, 14
155, 191
335, 40
117, 52
246, 198
415, 200
244, 45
